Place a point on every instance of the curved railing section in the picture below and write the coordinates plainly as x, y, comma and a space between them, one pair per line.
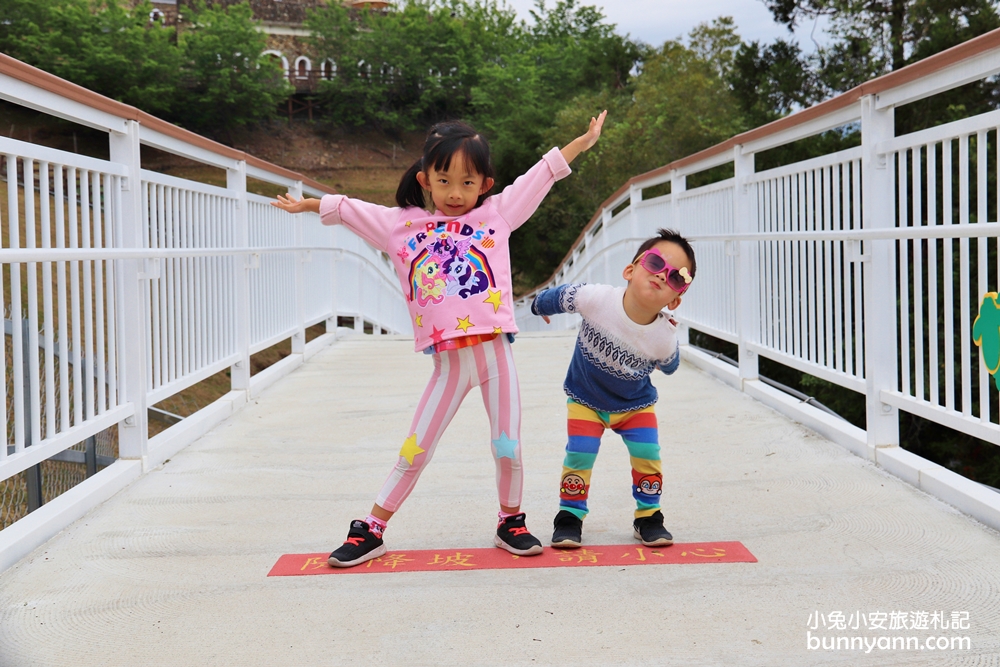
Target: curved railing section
865, 267
123, 287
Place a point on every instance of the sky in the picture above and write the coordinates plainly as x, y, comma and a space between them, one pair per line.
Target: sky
655, 21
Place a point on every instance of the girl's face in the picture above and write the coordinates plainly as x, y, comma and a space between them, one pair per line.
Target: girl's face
454, 190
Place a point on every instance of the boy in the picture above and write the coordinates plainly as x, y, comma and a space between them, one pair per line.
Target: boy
623, 337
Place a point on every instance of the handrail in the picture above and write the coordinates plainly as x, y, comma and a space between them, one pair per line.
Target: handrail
51, 83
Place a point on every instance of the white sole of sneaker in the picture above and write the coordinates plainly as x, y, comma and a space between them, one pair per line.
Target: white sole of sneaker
567, 544
374, 553
533, 551
657, 543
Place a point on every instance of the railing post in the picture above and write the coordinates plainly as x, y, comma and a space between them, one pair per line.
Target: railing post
747, 271
333, 258
299, 337
879, 274
236, 183
131, 296
634, 197
678, 184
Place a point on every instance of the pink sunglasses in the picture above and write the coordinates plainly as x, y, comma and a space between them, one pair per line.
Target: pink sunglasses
677, 279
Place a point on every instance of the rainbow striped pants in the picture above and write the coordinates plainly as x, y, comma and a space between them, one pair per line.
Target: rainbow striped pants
638, 429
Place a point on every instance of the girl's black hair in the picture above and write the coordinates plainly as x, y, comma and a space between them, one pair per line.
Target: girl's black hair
444, 140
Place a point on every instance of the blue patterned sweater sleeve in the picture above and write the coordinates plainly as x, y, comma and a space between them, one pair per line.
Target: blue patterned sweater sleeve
670, 364
556, 300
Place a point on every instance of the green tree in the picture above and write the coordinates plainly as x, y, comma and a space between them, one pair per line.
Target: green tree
770, 81
400, 69
226, 80
875, 37
103, 46
677, 105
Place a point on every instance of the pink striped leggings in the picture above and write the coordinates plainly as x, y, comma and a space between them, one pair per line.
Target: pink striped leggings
490, 365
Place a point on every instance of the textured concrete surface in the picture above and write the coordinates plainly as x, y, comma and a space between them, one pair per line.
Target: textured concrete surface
172, 571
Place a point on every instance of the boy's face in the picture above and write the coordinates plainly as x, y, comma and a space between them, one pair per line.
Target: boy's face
651, 289
454, 190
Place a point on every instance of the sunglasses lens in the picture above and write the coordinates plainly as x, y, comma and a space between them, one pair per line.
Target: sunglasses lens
653, 263
676, 281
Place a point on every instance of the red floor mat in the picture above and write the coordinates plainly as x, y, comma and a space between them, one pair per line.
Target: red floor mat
596, 555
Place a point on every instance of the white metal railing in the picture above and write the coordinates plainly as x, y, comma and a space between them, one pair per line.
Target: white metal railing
865, 267
135, 285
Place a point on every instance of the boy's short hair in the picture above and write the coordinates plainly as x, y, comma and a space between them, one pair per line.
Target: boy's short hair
673, 237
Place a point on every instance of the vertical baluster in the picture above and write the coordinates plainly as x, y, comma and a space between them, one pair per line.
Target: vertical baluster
795, 267
837, 193
64, 199
963, 272
188, 282
985, 383
810, 333
34, 372
948, 218
147, 208
783, 257
45, 211
101, 206
904, 274
933, 341
211, 269
88, 205
918, 280
17, 332
154, 235
74, 290
828, 326
859, 347
764, 203
112, 189
172, 284
200, 280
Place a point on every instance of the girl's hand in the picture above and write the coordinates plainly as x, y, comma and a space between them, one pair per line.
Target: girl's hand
594, 132
585, 141
289, 203
546, 318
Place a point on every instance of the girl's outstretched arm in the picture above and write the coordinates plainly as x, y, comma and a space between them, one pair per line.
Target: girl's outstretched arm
584, 141
289, 203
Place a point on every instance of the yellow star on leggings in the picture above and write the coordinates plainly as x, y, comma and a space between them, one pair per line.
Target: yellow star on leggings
494, 299
410, 449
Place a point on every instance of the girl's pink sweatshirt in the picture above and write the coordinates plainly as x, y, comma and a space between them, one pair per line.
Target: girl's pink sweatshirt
455, 272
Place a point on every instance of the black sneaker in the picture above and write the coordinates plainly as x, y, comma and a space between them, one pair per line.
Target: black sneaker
650, 530
515, 538
361, 545
568, 531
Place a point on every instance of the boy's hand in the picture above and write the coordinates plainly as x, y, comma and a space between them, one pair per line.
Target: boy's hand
546, 318
290, 204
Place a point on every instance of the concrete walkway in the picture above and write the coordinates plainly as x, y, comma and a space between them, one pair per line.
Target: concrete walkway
172, 571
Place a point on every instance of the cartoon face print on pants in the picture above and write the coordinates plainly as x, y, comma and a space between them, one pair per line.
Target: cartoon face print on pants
650, 485
572, 487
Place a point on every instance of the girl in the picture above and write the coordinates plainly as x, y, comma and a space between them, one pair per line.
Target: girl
454, 267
